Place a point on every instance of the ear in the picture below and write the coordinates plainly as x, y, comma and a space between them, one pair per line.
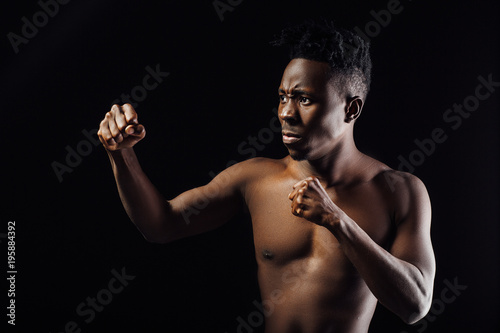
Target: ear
353, 108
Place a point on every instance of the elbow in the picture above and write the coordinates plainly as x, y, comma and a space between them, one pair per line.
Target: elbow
161, 230
417, 310
414, 317
158, 233
420, 302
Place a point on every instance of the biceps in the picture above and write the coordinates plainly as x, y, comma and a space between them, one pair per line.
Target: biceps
204, 208
413, 245
413, 240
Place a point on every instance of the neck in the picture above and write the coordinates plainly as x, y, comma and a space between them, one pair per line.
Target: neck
337, 167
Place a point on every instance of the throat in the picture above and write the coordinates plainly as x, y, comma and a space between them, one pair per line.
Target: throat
332, 170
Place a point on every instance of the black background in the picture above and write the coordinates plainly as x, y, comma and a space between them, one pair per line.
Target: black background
221, 89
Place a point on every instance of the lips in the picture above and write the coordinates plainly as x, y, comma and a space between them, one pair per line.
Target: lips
290, 137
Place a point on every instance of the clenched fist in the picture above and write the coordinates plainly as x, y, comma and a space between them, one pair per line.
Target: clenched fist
120, 128
310, 201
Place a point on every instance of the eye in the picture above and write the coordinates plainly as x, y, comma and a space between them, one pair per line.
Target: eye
305, 100
283, 98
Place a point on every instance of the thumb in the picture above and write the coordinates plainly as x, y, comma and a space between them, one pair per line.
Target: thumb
136, 130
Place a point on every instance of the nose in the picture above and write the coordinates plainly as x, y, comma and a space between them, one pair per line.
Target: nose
288, 113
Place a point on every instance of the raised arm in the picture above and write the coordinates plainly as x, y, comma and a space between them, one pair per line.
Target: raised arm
402, 278
160, 220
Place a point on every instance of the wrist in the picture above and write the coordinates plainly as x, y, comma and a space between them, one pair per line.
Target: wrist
334, 223
120, 153
124, 156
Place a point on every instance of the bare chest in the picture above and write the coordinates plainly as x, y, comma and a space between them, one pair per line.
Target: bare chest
282, 237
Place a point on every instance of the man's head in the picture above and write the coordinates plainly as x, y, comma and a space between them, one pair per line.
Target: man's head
322, 89
346, 53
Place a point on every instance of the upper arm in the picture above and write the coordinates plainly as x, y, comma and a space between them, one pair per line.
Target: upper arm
207, 207
412, 215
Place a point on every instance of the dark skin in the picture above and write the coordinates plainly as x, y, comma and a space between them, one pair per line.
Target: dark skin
335, 231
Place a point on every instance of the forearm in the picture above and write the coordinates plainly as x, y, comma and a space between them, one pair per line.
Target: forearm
397, 284
145, 206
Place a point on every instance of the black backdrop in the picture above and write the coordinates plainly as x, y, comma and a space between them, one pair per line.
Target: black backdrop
72, 234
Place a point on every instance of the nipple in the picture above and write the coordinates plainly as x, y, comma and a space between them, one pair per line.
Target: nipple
267, 254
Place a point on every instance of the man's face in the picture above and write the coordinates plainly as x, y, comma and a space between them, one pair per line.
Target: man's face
311, 111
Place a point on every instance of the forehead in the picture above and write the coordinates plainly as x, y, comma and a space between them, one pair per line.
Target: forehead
304, 73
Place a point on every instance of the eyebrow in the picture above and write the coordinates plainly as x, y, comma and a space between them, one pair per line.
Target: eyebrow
296, 92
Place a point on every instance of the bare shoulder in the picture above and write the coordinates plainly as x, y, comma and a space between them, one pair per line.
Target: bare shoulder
257, 167
407, 193
399, 182
387, 178
243, 173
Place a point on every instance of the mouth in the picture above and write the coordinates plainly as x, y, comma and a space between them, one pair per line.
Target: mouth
289, 137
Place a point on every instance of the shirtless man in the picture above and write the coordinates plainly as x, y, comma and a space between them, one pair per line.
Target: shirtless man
335, 231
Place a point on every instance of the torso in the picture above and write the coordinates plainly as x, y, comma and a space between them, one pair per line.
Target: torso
307, 283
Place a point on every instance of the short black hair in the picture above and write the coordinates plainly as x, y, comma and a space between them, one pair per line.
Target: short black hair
346, 52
